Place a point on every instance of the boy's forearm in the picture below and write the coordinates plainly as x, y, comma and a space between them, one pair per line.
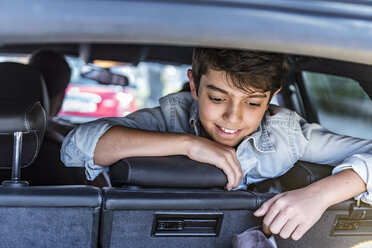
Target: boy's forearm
122, 142
339, 187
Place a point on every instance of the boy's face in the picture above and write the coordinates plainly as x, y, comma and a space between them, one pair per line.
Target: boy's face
227, 113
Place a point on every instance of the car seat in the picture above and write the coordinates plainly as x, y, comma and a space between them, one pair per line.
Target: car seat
176, 202
26, 84
173, 202
39, 216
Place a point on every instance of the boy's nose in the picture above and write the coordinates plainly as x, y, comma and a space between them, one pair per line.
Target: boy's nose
233, 113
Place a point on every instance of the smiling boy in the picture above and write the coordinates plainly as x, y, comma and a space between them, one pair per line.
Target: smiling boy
227, 121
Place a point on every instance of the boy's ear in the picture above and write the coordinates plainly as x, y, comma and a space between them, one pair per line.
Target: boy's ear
193, 89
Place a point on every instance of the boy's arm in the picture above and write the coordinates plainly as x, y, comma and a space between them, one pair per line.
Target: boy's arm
79, 145
293, 213
116, 142
121, 142
344, 152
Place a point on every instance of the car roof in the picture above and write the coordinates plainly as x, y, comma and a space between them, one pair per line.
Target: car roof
340, 30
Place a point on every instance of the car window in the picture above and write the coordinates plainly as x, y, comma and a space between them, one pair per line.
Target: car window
86, 99
341, 104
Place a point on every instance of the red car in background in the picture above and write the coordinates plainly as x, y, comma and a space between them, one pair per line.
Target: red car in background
95, 101
96, 93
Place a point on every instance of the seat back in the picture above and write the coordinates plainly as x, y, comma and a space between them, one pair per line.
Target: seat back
39, 216
48, 169
42, 216
27, 119
49, 216
176, 202
144, 216
138, 217
25, 84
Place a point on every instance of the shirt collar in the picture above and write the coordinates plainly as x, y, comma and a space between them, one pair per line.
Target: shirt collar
194, 118
260, 138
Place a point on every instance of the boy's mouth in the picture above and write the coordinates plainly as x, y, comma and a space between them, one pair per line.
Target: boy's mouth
227, 130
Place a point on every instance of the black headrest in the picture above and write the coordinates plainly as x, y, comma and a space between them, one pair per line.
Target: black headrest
182, 172
171, 171
24, 83
16, 116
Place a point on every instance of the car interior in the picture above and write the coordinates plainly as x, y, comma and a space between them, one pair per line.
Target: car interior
149, 201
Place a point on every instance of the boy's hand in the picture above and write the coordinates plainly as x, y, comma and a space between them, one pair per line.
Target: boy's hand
293, 213
223, 157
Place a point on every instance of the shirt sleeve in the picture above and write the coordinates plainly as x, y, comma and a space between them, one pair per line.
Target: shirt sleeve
79, 145
343, 152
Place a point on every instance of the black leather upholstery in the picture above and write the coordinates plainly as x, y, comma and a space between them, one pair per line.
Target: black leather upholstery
140, 199
182, 172
303, 174
25, 85
172, 171
16, 116
21, 82
20, 89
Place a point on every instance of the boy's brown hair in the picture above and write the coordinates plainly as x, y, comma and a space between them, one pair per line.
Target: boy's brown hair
250, 71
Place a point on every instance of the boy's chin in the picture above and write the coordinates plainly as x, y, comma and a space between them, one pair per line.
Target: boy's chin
231, 143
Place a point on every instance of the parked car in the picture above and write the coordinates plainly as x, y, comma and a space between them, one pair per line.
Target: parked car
94, 95
161, 203
94, 101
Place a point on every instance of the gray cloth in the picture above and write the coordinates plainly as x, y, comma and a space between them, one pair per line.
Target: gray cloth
251, 239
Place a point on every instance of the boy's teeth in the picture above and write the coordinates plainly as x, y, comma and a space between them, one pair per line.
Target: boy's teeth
228, 130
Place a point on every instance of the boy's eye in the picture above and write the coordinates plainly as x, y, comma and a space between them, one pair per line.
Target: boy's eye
254, 104
216, 99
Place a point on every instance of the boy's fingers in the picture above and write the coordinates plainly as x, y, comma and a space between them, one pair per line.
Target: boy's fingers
278, 223
229, 164
232, 172
288, 229
261, 211
233, 165
268, 219
235, 173
230, 176
300, 231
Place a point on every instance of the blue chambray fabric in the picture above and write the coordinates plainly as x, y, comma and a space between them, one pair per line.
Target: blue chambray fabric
282, 138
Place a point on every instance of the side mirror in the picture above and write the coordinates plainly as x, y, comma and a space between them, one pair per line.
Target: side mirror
106, 77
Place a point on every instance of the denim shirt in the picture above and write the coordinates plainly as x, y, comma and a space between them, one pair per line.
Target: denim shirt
281, 139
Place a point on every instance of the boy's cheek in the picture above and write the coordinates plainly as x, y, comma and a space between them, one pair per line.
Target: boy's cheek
209, 114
